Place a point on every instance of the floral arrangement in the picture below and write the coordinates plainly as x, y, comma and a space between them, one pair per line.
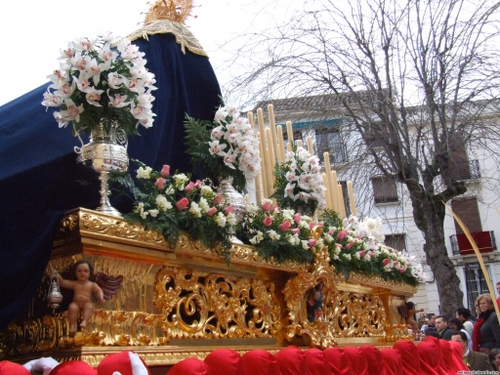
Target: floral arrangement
102, 81
225, 148
170, 203
298, 182
284, 234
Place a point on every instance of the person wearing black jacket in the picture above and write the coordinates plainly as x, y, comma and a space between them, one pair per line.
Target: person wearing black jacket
444, 331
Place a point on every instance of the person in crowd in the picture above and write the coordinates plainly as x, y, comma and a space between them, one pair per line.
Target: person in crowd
444, 331
431, 324
422, 320
474, 360
486, 335
494, 356
456, 325
465, 316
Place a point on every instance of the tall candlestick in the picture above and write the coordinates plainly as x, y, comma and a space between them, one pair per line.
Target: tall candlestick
272, 127
329, 185
310, 146
341, 200
289, 134
328, 199
281, 144
262, 165
250, 118
352, 202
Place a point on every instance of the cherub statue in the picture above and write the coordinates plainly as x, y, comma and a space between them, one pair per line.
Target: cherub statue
407, 311
83, 289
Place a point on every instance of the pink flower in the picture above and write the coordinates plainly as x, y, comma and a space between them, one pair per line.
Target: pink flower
402, 270
211, 211
228, 210
268, 221
338, 246
297, 218
385, 262
198, 184
348, 246
331, 232
361, 254
190, 186
165, 171
295, 230
342, 234
218, 198
160, 183
182, 204
285, 226
266, 206
312, 242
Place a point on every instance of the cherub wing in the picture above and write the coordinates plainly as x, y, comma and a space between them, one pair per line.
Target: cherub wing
109, 284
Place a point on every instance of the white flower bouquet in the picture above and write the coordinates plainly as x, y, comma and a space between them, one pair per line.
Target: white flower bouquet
101, 81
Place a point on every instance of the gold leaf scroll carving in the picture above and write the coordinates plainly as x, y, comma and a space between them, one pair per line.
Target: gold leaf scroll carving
202, 305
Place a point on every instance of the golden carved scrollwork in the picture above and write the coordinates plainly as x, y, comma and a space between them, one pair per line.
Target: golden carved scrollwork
318, 310
201, 305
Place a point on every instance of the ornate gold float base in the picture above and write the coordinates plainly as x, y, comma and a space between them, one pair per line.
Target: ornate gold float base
175, 305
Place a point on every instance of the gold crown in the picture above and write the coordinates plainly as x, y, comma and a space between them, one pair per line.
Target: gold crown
173, 10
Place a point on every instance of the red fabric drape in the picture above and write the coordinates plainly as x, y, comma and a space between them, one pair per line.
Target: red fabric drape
373, 358
410, 357
456, 356
429, 358
355, 360
393, 363
224, 361
291, 361
338, 363
447, 361
316, 364
190, 366
259, 362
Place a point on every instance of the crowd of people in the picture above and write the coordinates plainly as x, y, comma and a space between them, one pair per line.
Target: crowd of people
478, 333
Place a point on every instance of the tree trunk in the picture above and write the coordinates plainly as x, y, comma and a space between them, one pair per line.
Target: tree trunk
429, 218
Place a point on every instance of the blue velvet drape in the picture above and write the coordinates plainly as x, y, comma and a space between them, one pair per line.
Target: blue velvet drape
39, 176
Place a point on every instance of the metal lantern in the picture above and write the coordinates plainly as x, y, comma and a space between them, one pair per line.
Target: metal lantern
54, 297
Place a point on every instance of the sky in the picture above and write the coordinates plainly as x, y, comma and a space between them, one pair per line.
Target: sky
34, 31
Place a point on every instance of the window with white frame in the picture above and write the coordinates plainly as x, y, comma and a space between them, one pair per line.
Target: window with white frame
475, 283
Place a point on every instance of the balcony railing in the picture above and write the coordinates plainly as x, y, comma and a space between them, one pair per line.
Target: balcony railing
485, 241
466, 170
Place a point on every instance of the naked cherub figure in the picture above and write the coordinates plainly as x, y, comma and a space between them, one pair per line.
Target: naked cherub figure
83, 290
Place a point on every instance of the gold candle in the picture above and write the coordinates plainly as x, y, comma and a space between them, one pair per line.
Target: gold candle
310, 146
281, 143
352, 202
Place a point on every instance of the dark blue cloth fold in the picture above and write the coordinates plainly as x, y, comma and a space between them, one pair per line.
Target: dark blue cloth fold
40, 178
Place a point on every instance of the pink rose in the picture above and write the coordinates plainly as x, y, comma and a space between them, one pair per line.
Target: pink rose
338, 246
198, 183
312, 242
385, 262
182, 204
342, 234
165, 171
285, 226
268, 221
211, 211
160, 183
228, 210
295, 230
218, 198
297, 218
348, 246
266, 206
361, 254
402, 270
190, 186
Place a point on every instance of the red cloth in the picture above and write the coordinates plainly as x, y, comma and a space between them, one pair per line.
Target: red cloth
355, 360
71, 368
291, 361
393, 363
429, 358
410, 357
447, 361
224, 361
337, 361
316, 364
12, 368
260, 362
126, 363
190, 366
456, 356
373, 358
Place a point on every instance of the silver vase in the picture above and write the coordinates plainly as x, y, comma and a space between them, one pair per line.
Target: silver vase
236, 199
105, 152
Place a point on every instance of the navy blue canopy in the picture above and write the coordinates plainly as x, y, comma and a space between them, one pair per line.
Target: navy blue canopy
40, 178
